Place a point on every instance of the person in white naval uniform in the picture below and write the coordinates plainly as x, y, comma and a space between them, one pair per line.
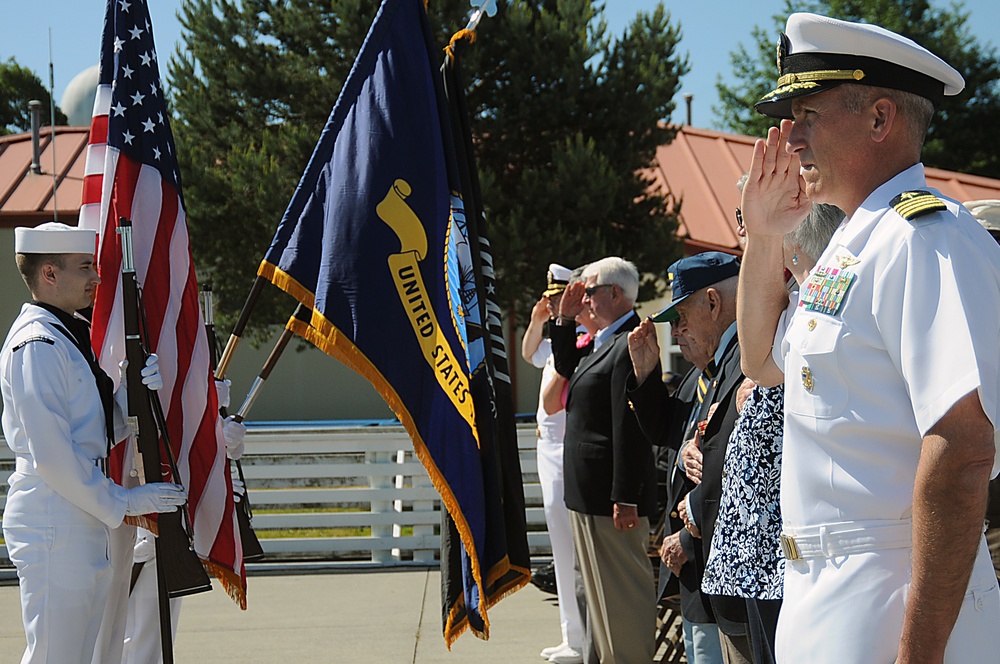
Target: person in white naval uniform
551, 428
60, 418
889, 358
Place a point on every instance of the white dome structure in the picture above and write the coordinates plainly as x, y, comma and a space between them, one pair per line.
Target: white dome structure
78, 99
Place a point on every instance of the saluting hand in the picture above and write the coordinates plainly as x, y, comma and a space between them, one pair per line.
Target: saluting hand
571, 302
774, 196
644, 349
540, 312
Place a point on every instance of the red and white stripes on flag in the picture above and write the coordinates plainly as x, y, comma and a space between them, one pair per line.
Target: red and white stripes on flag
131, 171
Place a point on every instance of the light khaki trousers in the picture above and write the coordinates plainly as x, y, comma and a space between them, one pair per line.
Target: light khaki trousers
618, 583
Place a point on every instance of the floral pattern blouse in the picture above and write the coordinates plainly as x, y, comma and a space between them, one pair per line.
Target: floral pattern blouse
745, 558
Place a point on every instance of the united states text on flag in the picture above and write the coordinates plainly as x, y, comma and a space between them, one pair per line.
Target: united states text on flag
132, 172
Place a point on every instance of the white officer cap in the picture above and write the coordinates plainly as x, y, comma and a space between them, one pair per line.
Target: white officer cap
54, 238
986, 212
816, 53
558, 279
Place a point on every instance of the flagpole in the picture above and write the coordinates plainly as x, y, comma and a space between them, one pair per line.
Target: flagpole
241, 324
302, 313
252, 549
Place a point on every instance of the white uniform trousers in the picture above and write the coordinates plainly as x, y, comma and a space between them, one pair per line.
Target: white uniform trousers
142, 630
849, 608
112, 634
550, 476
64, 574
618, 582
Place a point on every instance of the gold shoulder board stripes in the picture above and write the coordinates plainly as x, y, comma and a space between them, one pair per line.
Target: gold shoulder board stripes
913, 204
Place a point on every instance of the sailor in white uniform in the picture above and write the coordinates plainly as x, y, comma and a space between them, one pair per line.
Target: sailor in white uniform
889, 358
60, 418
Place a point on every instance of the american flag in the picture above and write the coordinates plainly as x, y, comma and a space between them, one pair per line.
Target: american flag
132, 172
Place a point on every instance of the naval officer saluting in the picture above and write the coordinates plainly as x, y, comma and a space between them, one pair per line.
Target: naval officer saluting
889, 358
60, 418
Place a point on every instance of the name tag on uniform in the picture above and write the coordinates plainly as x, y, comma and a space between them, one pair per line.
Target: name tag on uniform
826, 288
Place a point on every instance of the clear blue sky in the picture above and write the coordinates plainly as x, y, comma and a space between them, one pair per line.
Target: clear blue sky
711, 29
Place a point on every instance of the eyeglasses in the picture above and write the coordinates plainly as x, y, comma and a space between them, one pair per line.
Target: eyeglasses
739, 218
591, 290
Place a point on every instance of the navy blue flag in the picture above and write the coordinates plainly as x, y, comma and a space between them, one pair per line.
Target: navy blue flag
376, 242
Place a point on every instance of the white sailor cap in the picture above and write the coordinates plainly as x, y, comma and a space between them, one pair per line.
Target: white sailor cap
54, 238
986, 212
558, 279
816, 53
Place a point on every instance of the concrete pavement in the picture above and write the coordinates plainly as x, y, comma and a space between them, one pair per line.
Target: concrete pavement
354, 617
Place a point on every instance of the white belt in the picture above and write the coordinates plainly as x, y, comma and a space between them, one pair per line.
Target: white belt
24, 464
838, 539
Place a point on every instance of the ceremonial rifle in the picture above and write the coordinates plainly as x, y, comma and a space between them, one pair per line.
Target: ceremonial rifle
179, 571
252, 549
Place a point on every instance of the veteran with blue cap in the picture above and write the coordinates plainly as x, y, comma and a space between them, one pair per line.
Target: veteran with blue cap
697, 422
61, 415
888, 355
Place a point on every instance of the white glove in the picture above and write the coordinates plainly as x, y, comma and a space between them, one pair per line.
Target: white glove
145, 546
239, 490
234, 432
154, 497
150, 373
222, 390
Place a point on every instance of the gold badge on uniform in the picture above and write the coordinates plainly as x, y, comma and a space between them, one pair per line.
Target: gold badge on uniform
847, 261
807, 379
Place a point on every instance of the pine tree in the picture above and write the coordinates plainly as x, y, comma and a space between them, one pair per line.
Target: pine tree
565, 116
964, 134
18, 86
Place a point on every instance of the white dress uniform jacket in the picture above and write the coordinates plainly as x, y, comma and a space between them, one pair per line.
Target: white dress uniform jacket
60, 505
902, 321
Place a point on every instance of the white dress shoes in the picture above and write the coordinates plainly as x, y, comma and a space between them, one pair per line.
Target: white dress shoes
548, 652
566, 656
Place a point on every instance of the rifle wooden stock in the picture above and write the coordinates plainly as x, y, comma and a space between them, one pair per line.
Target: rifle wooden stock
252, 550
179, 570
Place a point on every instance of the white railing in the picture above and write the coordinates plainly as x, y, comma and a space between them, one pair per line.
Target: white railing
361, 478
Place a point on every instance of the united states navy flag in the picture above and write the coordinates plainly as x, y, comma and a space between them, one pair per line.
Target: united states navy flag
375, 241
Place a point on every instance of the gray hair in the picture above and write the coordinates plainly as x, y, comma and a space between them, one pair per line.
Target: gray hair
616, 271
918, 111
814, 233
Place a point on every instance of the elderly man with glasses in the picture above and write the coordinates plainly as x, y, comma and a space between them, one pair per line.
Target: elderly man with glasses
610, 477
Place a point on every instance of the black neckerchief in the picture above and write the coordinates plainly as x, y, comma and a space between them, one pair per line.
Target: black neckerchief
77, 330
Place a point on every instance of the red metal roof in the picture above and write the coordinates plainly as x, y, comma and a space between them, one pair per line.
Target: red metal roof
700, 169
26, 198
